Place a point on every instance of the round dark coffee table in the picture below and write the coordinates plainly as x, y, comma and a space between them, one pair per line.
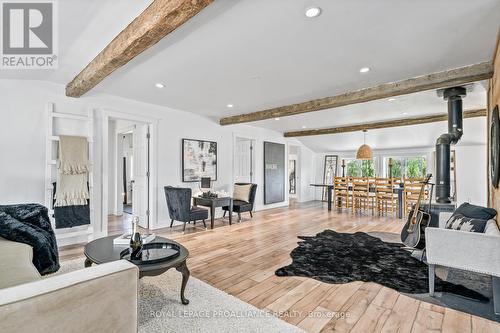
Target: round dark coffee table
102, 250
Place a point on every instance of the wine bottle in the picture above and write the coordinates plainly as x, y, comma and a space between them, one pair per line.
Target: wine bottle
135, 241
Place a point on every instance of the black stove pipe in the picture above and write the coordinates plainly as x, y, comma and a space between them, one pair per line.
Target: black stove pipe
455, 120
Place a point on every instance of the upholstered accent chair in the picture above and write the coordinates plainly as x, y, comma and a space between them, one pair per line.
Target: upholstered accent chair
469, 251
179, 207
240, 206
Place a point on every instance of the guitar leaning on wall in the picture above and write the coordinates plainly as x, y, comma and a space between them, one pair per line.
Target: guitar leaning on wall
413, 233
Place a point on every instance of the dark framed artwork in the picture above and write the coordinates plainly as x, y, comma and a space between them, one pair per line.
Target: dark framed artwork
199, 159
495, 147
329, 171
274, 172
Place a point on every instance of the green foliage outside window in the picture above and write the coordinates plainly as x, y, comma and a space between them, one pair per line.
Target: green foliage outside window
416, 167
353, 169
412, 167
360, 168
368, 168
397, 169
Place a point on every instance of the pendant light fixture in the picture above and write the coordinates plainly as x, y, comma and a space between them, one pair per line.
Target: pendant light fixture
364, 152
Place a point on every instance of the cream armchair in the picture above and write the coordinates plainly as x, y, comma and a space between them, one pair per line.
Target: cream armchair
470, 251
97, 299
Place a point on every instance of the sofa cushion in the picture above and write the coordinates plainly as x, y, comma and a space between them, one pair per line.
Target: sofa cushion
475, 212
464, 223
16, 265
242, 192
492, 228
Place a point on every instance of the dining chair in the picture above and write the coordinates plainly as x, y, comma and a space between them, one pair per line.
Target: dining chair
361, 196
341, 192
386, 198
412, 188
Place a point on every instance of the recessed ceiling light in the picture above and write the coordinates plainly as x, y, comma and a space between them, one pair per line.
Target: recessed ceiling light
405, 113
277, 118
392, 99
230, 105
313, 12
364, 70
304, 126
160, 85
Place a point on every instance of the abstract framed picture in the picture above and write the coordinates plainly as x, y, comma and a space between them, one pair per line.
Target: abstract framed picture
199, 159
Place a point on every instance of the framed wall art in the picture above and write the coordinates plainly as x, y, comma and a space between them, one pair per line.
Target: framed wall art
199, 159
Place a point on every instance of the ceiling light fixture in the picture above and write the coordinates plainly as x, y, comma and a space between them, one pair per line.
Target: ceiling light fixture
313, 12
365, 151
364, 70
304, 126
392, 99
405, 113
230, 105
276, 118
159, 85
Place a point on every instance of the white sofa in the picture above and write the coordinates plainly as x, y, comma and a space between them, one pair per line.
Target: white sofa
470, 251
97, 299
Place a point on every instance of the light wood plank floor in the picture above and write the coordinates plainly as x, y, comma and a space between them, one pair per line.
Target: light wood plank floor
241, 260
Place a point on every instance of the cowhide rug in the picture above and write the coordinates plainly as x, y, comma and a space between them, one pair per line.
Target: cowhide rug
334, 257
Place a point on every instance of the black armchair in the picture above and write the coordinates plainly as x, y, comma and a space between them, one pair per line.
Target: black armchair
243, 206
179, 206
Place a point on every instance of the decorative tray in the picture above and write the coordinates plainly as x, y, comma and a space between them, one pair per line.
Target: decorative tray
152, 253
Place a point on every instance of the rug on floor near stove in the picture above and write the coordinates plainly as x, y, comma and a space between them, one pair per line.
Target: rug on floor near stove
342, 257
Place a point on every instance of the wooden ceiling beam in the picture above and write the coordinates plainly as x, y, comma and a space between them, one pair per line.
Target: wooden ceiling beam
384, 124
155, 22
449, 78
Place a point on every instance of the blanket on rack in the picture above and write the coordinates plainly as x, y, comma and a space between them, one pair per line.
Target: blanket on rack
72, 172
71, 216
73, 155
30, 224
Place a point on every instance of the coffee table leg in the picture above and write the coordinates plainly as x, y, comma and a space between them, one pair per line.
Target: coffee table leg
185, 276
88, 262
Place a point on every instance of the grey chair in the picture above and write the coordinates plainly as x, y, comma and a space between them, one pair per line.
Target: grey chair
243, 206
179, 207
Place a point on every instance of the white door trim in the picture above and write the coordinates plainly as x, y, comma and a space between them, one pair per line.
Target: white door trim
106, 115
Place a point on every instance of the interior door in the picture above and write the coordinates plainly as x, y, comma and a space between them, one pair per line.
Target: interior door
140, 175
243, 161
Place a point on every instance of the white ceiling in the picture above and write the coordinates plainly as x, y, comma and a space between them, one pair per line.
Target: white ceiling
258, 54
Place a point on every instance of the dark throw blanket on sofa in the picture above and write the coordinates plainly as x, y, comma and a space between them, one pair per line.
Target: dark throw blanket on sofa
30, 224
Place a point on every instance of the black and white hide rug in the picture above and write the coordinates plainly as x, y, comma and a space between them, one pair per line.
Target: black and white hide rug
334, 257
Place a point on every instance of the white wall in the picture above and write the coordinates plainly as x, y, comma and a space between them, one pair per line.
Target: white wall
471, 168
22, 143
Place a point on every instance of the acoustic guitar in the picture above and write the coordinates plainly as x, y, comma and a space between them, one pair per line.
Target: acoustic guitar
413, 233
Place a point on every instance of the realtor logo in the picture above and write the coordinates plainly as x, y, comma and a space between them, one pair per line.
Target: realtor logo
28, 35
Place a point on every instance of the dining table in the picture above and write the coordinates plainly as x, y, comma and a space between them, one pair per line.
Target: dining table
399, 190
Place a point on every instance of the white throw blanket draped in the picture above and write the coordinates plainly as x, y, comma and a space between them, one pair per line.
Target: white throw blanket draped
73, 155
72, 171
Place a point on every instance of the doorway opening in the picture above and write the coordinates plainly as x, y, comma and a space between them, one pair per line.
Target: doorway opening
243, 160
129, 185
125, 152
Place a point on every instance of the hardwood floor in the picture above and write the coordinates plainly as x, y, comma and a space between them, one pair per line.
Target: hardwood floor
241, 260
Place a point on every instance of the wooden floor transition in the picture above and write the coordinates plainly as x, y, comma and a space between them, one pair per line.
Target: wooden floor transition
241, 260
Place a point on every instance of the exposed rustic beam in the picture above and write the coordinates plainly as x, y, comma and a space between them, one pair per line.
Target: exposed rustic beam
447, 78
384, 124
155, 22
